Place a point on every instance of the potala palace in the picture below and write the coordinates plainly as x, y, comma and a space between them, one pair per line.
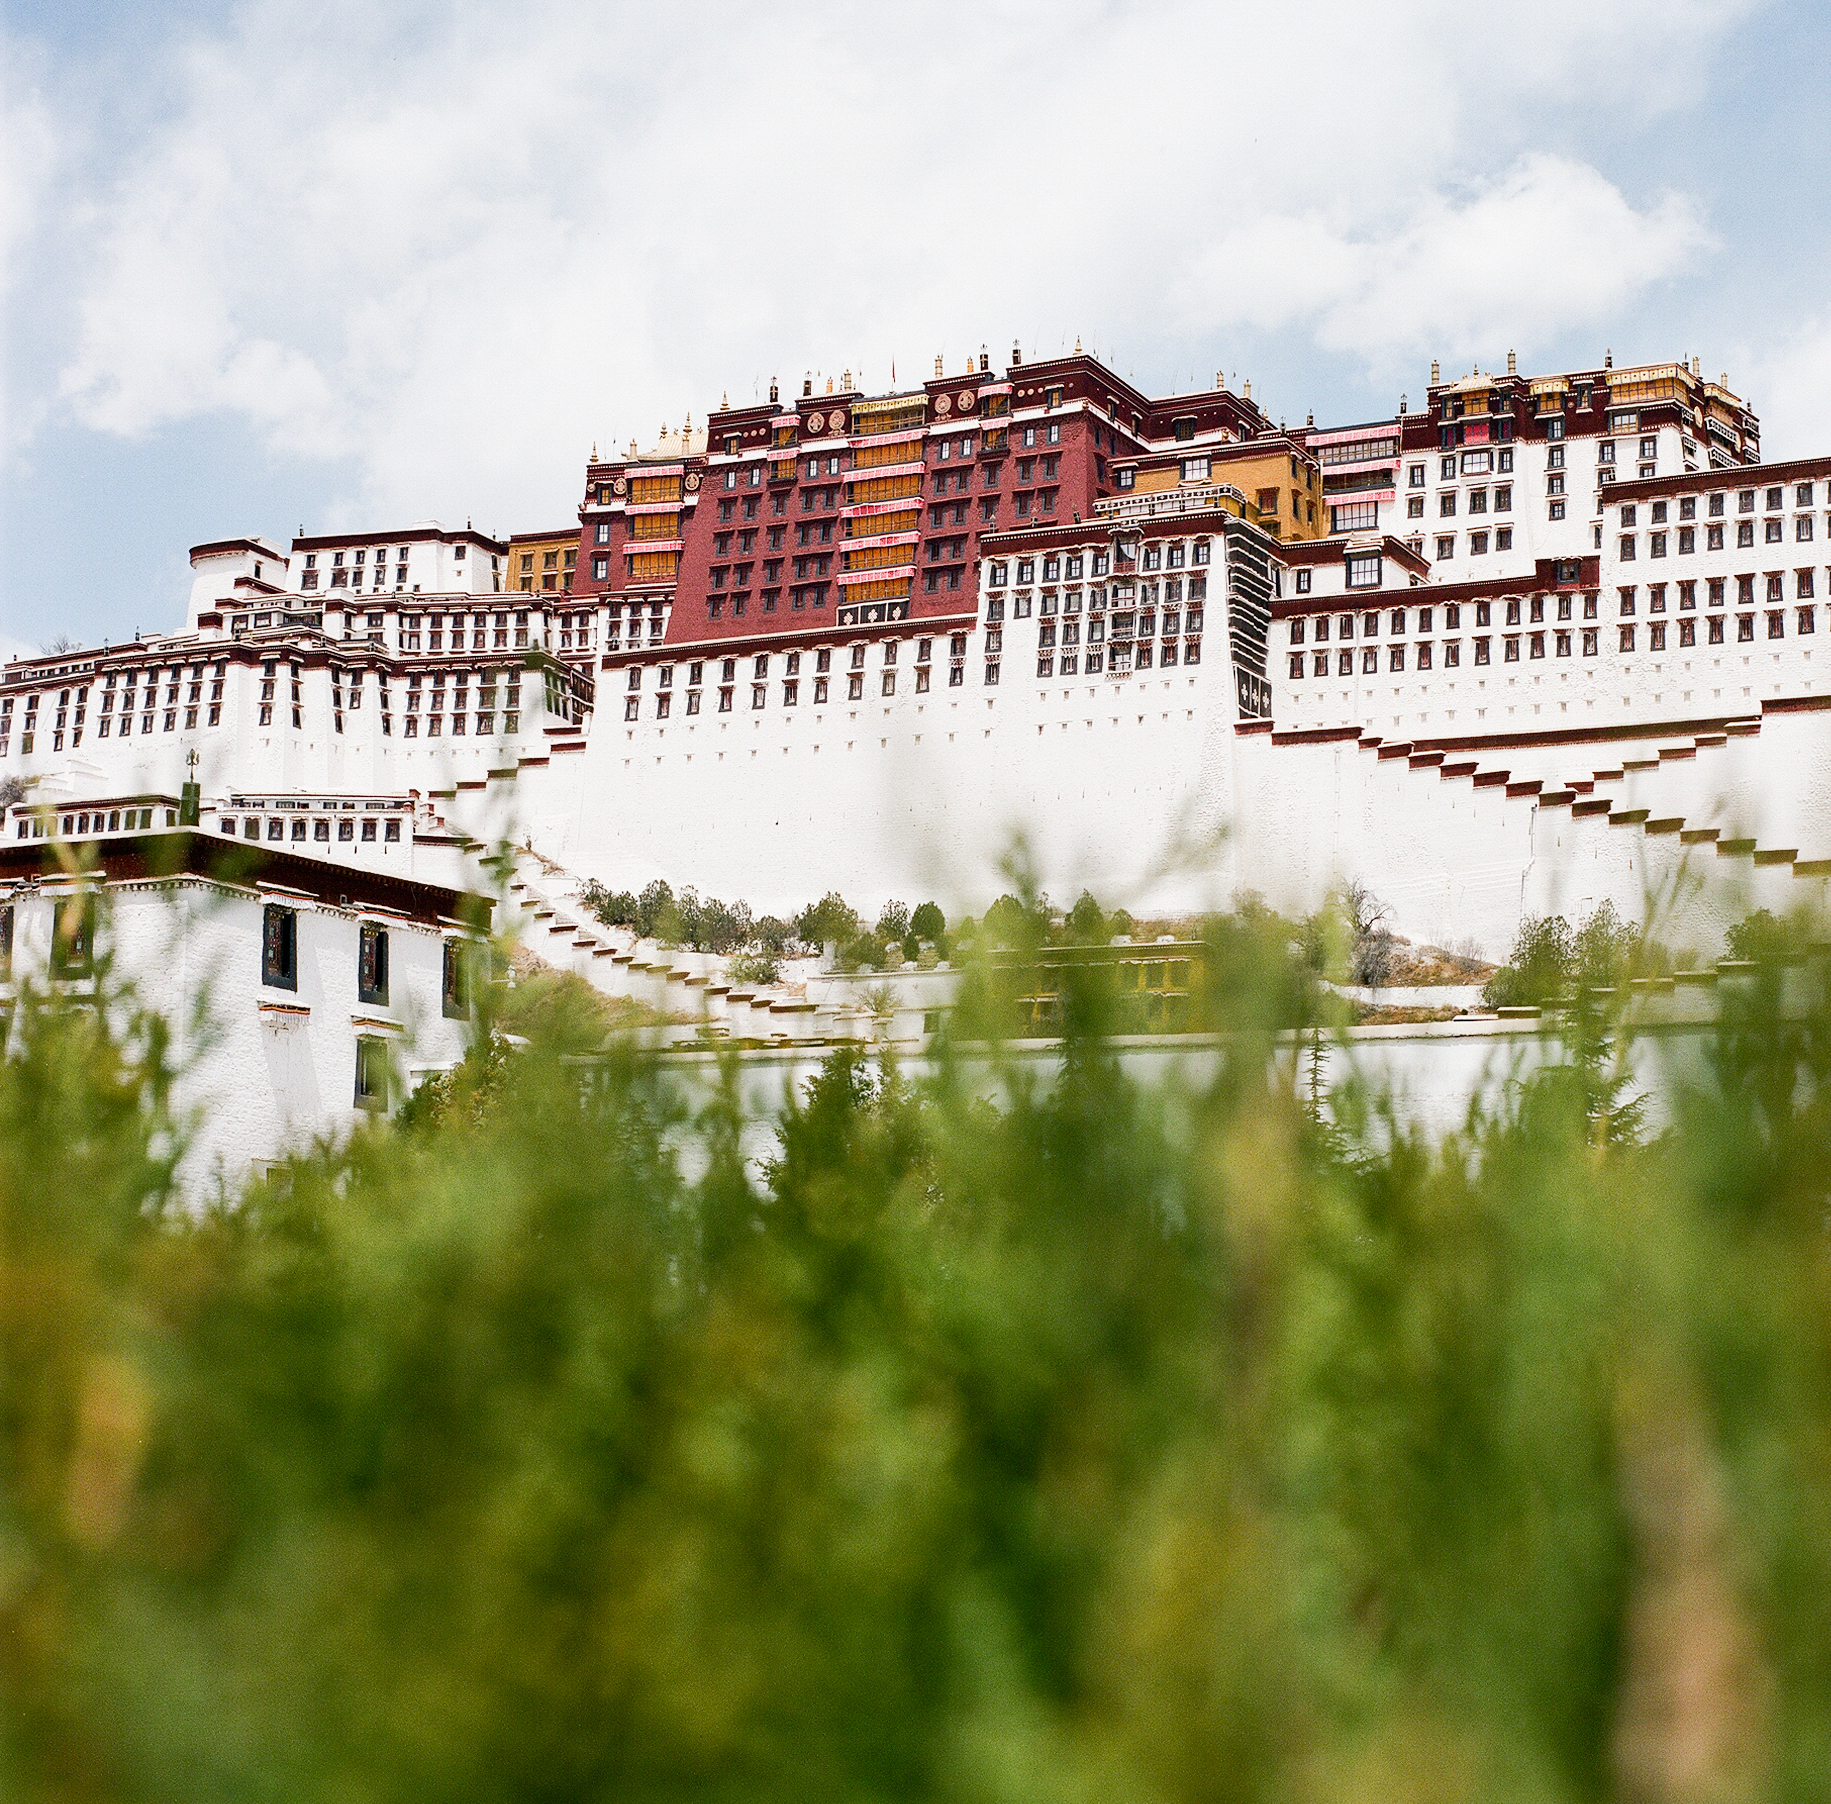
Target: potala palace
1539, 642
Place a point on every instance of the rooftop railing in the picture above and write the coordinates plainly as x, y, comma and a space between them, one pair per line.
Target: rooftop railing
1161, 502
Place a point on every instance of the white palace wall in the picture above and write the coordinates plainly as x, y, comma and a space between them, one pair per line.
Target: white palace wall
1106, 782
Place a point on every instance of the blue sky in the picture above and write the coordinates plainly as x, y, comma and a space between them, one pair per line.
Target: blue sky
274, 264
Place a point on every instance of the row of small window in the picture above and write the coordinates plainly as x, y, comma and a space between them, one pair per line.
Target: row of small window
1477, 500
1716, 633
1805, 586
1775, 534
435, 724
487, 677
1316, 626
281, 827
113, 820
1116, 660
1124, 595
791, 687
361, 556
1360, 570
1473, 463
1056, 567
1773, 501
791, 692
1123, 626
28, 735
129, 679
960, 482
1502, 538
494, 639
280, 962
340, 579
803, 596
760, 663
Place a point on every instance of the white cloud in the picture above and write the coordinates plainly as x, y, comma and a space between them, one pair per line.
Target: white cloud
1788, 380
446, 249
1511, 262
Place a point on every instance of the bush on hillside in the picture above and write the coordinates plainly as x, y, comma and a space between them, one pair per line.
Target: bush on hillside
1550, 962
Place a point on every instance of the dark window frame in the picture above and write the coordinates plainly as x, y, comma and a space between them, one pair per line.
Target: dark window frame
455, 980
372, 964
279, 947
374, 1081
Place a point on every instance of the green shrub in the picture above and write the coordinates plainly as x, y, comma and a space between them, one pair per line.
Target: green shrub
1767, 940
928, 923
1112, 1441
753, 968
827, 920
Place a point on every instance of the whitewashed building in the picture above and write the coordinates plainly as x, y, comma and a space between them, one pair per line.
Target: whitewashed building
304, 992
1542, 642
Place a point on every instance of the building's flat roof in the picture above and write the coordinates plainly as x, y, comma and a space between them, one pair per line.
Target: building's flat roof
189, 852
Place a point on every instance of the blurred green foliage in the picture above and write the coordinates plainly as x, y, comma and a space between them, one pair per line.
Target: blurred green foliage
1092, 1442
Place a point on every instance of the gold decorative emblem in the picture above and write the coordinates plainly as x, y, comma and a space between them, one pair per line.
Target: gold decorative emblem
816, 422
619, 487
692, 481
966, 400
943, 407
837, 420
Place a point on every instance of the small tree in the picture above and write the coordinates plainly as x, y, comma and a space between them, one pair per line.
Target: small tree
893, 923
1375, 952
774, 936
758, 967
928, 923
613, 908
1765, 939
688, 919
653, 906
831, 918
1539, 968
861, 949
1604, 949
1086, 923
1008, 922
722, 926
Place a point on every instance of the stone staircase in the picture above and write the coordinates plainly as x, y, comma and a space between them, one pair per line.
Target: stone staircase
1746, 793
692, 992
